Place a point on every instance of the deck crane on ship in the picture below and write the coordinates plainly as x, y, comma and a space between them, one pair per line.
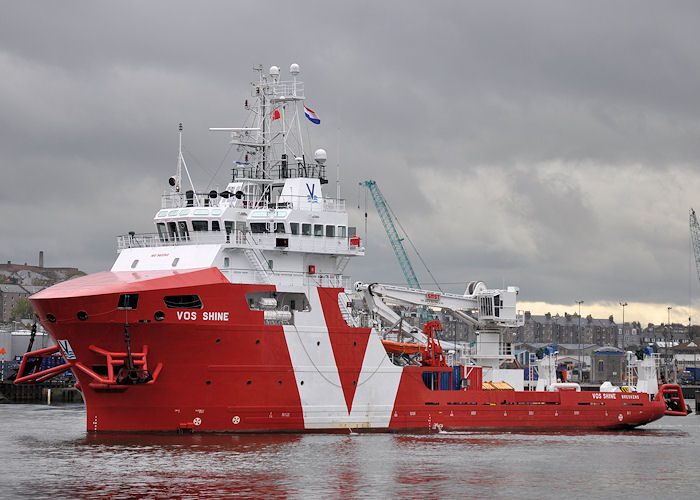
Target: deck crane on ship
396, 242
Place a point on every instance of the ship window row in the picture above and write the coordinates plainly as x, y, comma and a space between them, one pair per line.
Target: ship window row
330, 231
296, 228
180, 230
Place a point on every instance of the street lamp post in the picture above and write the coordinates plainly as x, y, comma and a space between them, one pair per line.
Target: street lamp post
580, 365
623, 304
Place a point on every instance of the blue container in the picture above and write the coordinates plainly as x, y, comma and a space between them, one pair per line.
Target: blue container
428, 379
444, 381
457, 377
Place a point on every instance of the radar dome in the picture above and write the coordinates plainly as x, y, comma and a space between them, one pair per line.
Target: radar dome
274, 71
320, 156
294, 69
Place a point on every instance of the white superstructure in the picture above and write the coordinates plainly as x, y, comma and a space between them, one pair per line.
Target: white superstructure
272, 224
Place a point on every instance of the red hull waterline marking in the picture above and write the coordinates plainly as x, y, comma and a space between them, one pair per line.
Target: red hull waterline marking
235, 316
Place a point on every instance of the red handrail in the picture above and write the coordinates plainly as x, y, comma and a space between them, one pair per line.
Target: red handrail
114, 359
675, 403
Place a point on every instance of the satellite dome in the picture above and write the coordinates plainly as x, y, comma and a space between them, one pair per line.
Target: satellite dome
320, 156
274, 71
294, 69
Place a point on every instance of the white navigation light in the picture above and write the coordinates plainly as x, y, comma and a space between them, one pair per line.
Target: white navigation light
320, 156
294, 69
274, 71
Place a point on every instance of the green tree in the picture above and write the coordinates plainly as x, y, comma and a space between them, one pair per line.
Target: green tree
23, 310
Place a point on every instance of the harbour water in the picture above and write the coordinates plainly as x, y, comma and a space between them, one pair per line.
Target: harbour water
46, 453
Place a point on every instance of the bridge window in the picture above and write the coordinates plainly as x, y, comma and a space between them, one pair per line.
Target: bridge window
330, 231
215, 225
162, 231
200, 225
341, 232
306, 229
172, 230
279, 227
294, 227
184, 233
228, 225
259, 227
318, 229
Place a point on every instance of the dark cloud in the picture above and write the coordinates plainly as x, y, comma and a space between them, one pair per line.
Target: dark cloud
552, 145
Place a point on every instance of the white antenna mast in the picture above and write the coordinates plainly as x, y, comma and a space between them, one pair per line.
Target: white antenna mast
180, 163
337, 171
178, 176
295, 70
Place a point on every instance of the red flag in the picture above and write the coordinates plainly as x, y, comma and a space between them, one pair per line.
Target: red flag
276, 115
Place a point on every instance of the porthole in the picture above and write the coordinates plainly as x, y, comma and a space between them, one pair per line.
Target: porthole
279, 382
159, 316
175, 261
318, 342
51, 318
249, 382
82, 315
354, 344
208, 382
301, 383
135, 263
218, 341
257, 342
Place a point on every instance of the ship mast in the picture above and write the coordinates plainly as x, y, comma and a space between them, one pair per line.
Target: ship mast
277, 140
178, 178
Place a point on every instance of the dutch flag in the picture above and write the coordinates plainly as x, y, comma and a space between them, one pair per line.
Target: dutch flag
311, 115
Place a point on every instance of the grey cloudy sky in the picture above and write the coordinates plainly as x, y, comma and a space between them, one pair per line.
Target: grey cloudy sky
552, 145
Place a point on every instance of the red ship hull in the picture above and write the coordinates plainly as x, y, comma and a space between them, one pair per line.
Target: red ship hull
224, 370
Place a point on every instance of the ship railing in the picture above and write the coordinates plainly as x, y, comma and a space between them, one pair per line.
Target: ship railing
146, 240
287, 278
244, 239
279, 170
287, 89
181, 200
202, 200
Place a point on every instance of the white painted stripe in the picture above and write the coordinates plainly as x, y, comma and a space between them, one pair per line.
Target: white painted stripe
322, 398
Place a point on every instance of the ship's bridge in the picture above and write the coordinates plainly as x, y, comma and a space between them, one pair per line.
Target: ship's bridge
271, 220
300, 219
